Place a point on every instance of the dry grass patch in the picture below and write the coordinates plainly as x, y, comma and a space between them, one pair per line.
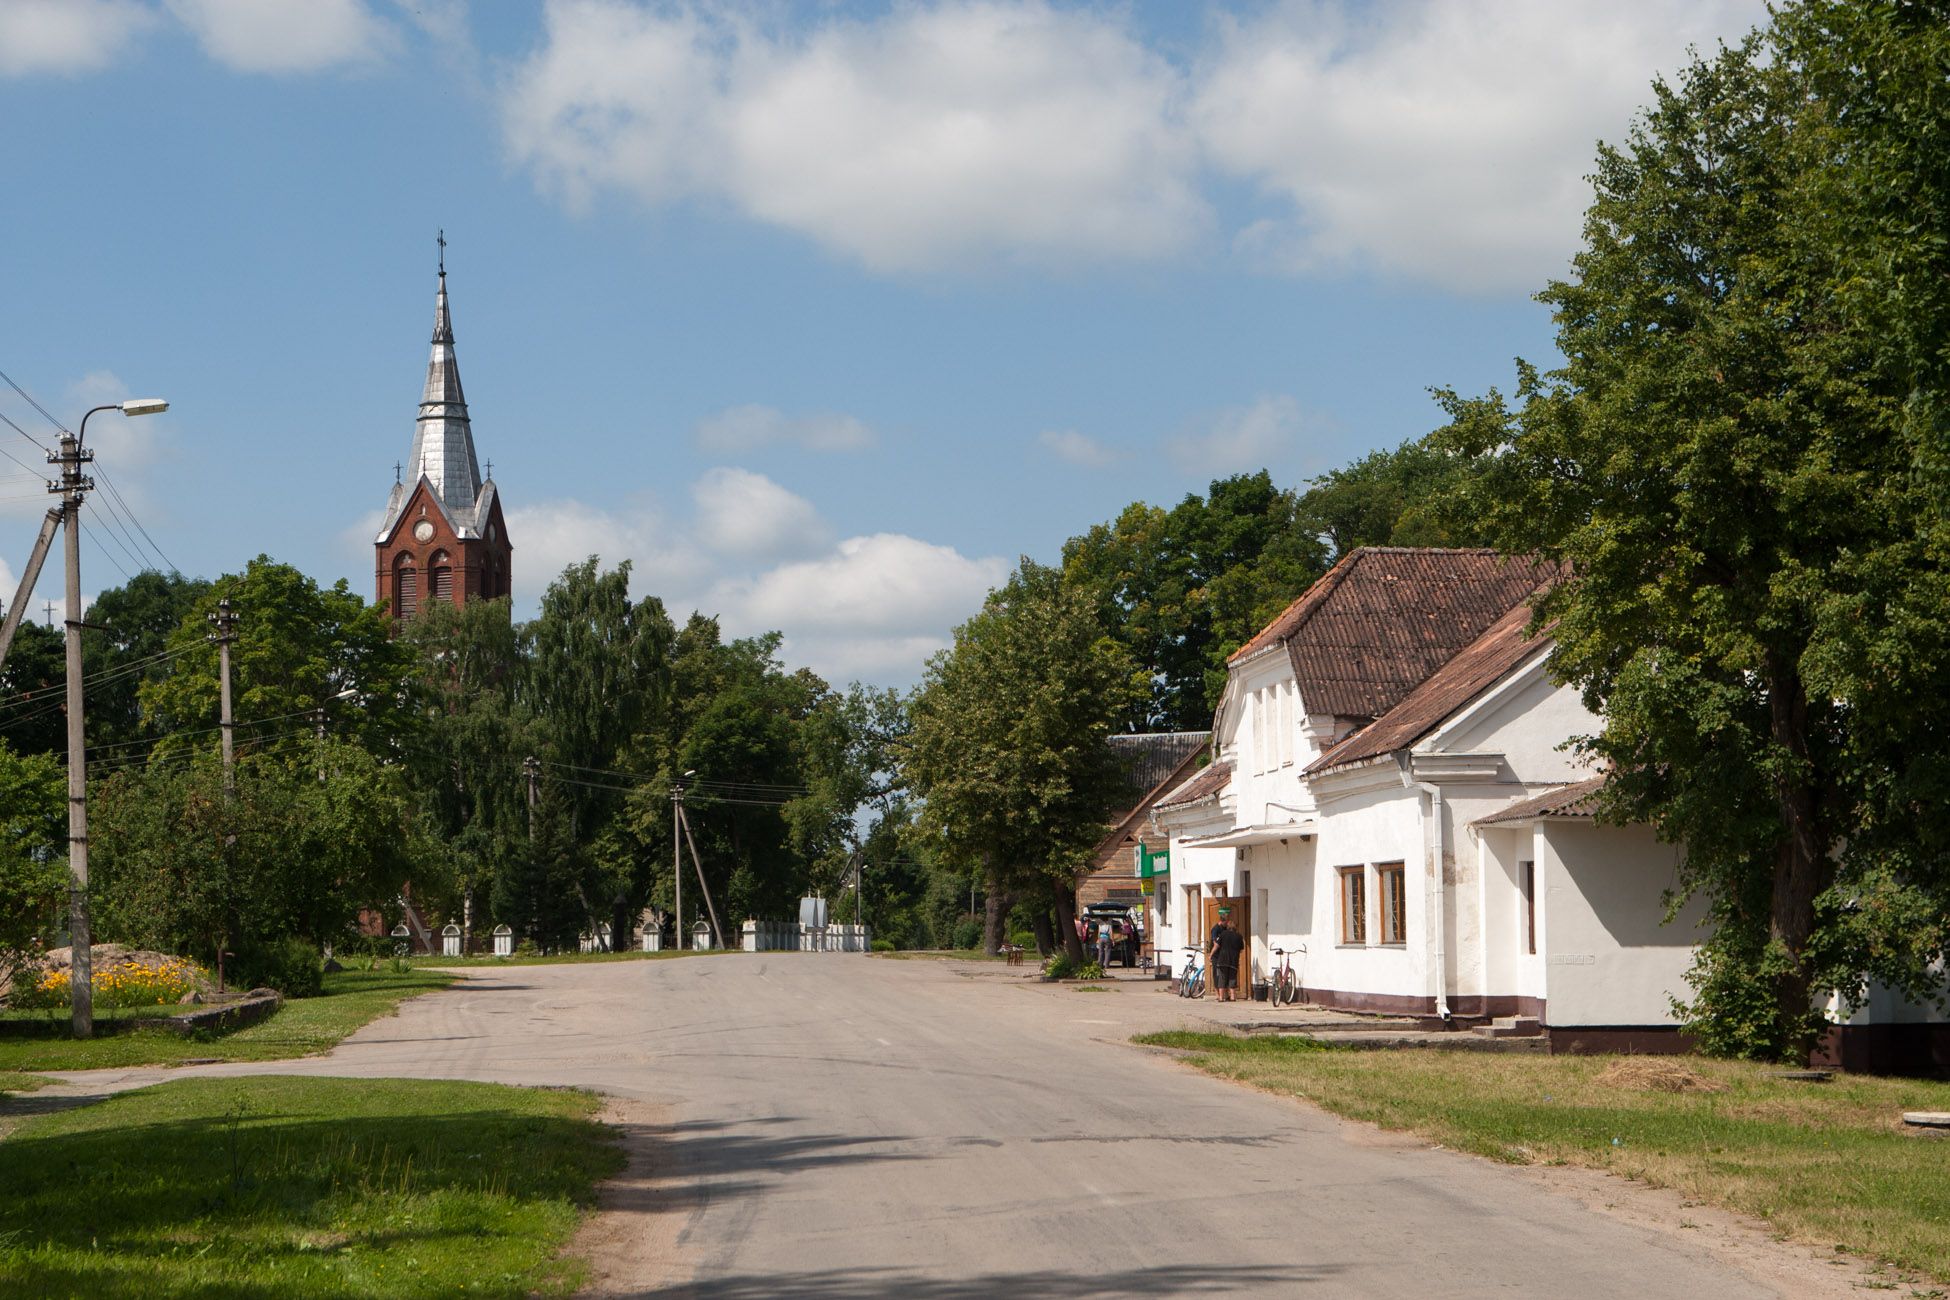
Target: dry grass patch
1826, 1163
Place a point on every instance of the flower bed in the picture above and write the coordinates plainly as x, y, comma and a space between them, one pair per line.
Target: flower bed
125, 983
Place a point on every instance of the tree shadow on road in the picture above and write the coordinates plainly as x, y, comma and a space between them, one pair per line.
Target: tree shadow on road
876, 1284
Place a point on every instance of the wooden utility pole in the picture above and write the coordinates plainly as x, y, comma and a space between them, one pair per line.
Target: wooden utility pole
677, 855
81, 962
226, 624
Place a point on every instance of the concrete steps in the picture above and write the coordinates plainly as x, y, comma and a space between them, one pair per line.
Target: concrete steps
1510, 1027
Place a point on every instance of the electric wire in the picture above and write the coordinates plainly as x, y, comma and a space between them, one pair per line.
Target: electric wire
31, 402
120, 544
129, 510
89, 533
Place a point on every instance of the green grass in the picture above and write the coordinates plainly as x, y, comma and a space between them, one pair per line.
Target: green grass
564, 958
58, 1016
301, 1187
952, 954
1831, 1164
304, 1027
22, 1083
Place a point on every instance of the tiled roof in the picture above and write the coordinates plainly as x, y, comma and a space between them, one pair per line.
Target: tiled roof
1209, 781
1386, 617
1579, 799
1480, 666
1152, 757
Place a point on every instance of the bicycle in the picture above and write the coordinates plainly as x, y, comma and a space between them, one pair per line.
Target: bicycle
1192, 983
1283, 988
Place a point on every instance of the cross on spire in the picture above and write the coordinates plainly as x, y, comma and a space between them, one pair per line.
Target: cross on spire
490, 467
441, 239
396, 470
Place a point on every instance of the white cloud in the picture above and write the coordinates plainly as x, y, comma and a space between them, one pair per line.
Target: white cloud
874, 608
295, 36
549, 536
1440, 140
1240, 438
747, 428
929, 138
66, 36
746, 514
1077, 448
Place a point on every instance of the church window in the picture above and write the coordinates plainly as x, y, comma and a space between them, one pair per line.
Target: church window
406, 587
440, 571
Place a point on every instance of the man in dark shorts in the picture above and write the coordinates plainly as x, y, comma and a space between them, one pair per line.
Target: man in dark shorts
1227, 944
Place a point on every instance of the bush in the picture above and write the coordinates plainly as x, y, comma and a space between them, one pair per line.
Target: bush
968, 934
291, 966
1023, 939
883, 945
1063, 967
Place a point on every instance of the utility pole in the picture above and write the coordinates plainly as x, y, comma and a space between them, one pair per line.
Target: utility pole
677, 854
81, 964
226, 624
531, 769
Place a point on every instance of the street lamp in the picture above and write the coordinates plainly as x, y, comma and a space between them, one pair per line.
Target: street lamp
81, 962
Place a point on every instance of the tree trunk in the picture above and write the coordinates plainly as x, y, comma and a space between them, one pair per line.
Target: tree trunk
995, 917
1801, 868
1066, 920
1045, 933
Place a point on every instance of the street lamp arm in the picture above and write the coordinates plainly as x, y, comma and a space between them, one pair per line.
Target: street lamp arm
111, 406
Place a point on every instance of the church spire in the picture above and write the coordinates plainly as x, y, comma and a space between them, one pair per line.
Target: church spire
443, 439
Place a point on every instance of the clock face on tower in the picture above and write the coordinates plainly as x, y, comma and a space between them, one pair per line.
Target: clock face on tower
423, 531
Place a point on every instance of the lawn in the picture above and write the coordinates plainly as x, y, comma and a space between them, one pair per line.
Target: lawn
1831, 1164
301, 1187
304, 1027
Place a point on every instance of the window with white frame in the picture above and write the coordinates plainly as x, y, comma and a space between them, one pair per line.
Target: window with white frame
1354, 904
1391, 881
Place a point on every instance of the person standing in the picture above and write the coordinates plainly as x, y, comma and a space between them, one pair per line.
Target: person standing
1106, 940
1223, 959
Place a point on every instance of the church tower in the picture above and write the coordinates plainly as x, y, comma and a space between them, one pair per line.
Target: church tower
443, 537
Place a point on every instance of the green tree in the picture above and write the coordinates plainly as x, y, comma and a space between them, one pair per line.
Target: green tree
33, 855
124, 645
1007, 749
298, 647
1183, 588
1735, 462
1414, 495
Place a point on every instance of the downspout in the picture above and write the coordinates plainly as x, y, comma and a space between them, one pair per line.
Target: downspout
1434, 894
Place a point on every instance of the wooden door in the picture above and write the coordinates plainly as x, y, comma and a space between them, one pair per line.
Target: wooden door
1242, 921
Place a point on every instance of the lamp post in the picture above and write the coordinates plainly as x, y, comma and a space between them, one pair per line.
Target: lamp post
72, 487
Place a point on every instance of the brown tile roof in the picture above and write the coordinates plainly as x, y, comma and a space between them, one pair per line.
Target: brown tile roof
1480, 666
1386, 617
1151, 758
1579, 799
1209, 781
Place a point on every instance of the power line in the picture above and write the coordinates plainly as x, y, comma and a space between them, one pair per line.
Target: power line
90, 535
117, 494
31, 402
123, 543
23, 433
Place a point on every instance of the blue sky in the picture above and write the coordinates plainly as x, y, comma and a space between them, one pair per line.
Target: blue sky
820, 313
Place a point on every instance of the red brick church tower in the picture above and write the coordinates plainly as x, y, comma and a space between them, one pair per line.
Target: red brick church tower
443, 537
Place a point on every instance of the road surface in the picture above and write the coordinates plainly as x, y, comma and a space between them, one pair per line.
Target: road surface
842, 1126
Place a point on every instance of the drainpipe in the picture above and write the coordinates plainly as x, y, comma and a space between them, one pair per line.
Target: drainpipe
1434, 894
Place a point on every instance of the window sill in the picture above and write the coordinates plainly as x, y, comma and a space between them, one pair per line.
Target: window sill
1398, 944
1358, 947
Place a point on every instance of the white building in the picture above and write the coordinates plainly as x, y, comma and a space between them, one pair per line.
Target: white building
1391, 791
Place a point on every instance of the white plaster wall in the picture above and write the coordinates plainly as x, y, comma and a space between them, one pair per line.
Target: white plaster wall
1609, 960
1525, 722
1362, 830
1508, 967
1273, 745
1284, 918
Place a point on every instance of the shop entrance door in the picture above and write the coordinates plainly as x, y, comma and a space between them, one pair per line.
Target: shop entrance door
1242, 921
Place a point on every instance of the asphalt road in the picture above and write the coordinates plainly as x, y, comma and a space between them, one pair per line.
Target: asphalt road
842, 1126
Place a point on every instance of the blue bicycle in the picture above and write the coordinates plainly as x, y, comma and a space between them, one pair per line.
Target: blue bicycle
1192, 983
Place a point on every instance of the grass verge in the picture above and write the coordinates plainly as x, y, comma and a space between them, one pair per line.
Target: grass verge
304, 1027
301, 1187
1828, 1163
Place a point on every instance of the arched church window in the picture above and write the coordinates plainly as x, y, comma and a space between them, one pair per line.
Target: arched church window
440, 569
406, 587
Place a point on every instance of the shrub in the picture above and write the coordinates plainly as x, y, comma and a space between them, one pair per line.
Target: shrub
291, 966
1023, 939
968, 934
883, 945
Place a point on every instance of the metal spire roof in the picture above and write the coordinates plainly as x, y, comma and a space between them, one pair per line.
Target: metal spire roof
443, 440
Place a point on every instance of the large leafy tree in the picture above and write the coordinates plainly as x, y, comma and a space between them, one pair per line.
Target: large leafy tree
1006, 748
1737, 463
33, 854
127, 643
1413, 495
1183, 588
299, 648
